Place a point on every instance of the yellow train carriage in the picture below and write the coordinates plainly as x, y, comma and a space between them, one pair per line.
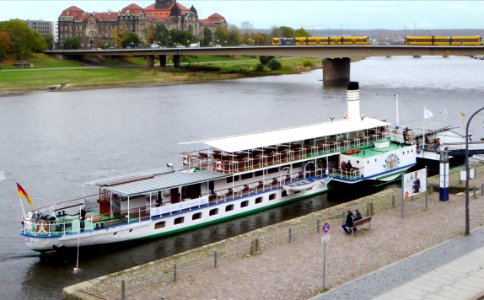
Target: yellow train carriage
323, 40
438, 40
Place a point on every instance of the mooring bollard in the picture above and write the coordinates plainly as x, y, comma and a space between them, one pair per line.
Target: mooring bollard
290, 235
215, 259
123, 287
318, 223
174, 272
393, 201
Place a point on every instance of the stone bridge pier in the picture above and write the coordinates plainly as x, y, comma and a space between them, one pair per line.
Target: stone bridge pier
336, 71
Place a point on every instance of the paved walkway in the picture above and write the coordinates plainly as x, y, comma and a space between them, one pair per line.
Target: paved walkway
453, 270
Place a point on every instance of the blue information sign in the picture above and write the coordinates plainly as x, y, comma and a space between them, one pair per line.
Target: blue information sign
326, 227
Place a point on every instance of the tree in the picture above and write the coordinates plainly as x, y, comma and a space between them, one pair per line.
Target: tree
274, 64
73, 42
286, 31
131, 39
221, 34
24, 41
49, 40
182, 37
264, 60
233, 37
207, 37
301, 32
162, 35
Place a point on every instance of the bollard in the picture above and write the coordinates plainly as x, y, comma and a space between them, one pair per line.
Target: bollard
255, 247
174, 272
290, 235
215, 259
343, 217
393, 201
123, 287
318, 224
482, 189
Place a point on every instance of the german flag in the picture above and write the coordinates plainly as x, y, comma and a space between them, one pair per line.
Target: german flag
23, 193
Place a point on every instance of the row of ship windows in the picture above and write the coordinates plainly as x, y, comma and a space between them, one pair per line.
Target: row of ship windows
213, 212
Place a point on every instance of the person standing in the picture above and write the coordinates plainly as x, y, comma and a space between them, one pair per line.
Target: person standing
348, 225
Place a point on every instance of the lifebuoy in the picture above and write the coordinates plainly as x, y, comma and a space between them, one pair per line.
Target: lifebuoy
42, 227
219, 166
185, 159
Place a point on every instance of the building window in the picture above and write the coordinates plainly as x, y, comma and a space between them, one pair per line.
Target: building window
229, 207
178, 220
213, 212
258, 200
244, 203
160, 225
197, 216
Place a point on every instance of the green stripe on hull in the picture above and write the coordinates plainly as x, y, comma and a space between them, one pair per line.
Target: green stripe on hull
227, 218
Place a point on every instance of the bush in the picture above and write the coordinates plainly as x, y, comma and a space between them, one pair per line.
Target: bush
259, 68
265, 59
274, 64
307, 64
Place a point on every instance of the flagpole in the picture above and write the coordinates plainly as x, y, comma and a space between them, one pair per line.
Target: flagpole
20, 200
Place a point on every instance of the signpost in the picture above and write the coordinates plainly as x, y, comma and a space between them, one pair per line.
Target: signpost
325, 239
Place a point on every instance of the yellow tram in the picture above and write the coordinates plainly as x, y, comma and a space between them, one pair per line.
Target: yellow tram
321, 40
438, 40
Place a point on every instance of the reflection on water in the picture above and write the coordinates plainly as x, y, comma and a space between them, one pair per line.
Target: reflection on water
53, 142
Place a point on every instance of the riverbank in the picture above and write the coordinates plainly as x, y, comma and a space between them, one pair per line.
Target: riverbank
104, 75
283, 270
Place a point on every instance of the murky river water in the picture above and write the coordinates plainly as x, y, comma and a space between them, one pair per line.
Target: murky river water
54, 142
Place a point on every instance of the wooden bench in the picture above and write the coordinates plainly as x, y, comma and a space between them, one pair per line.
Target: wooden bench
361, 222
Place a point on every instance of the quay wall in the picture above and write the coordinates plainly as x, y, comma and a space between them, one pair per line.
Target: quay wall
238, 247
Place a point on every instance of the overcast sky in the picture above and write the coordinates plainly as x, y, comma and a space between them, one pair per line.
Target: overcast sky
320, 14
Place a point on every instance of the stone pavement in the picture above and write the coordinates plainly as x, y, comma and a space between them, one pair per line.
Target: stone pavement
452, 270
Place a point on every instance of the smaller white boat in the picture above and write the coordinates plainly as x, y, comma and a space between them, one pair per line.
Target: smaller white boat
299, 186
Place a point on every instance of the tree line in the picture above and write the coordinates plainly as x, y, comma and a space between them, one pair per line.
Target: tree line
18, 39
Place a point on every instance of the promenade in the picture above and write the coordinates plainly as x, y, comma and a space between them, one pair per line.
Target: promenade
421, 256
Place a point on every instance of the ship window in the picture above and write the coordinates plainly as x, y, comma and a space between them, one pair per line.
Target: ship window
178, 220
197, 216
258, 200
229, 207
160, 225
284, 193
229, 179
273, 170
244, 203
236, 178
246, 176
272, 196
213, 212
258, 173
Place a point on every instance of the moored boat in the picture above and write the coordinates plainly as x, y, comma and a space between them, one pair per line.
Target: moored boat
225, 178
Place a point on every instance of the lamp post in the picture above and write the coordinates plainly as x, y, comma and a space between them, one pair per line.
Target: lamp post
467, 171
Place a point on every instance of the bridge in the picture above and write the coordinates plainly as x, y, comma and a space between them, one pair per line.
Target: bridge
336, 58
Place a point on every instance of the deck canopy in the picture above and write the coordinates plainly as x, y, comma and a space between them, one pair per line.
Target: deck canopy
143, 183
282, 136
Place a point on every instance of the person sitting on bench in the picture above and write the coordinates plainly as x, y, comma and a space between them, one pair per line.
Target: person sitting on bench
357, 217
348, 225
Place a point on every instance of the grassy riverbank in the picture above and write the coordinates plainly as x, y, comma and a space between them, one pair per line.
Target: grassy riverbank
48, 71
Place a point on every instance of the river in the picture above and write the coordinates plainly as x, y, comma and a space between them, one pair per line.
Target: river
53, 142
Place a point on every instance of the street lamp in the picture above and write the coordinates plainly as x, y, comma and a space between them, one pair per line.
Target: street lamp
467, 170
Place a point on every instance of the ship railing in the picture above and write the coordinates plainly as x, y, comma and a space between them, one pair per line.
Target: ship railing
352, 174
231, 163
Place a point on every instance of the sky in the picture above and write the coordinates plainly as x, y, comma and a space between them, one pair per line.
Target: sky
315, 14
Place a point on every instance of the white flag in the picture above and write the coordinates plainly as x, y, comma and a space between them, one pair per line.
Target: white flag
427, 113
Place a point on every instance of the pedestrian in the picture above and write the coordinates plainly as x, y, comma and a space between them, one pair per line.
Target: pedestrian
358, 215
348, 225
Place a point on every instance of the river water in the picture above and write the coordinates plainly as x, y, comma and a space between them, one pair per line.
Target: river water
53, 142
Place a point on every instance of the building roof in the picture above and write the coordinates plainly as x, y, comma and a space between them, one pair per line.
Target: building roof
288, 135
72, 11
215, 17
152, 181
133, 9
